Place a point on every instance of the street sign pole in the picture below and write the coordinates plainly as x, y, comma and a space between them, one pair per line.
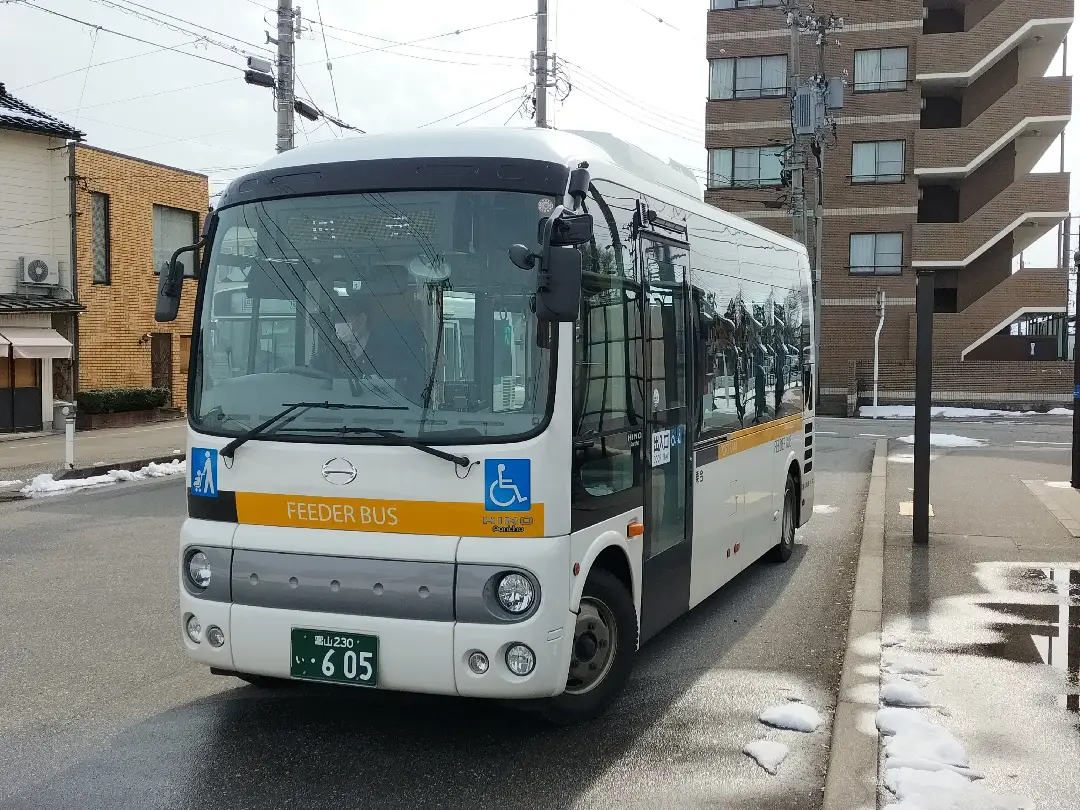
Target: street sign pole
924, 384
1076, 379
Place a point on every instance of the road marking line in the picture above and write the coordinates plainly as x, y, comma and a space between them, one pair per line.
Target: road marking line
872, 436
1057, 444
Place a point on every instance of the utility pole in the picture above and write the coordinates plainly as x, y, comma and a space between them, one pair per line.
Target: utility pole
1076, 378
286, 74
812, 129
541, 57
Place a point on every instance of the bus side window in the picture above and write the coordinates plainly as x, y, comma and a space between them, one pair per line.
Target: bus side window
609, 379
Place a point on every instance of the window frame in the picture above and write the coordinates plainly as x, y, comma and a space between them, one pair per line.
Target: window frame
879, 178
857, 88
196, 258
876, 269
106, 236
775, 92
731, 182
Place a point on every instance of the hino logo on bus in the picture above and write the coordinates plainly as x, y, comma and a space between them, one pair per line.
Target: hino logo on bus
508, 525
339, 471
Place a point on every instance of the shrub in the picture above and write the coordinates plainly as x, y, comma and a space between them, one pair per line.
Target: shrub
121, 400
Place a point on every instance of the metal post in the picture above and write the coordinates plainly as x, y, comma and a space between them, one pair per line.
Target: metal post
286, 77
819, 261
924, 381
797, 156
69, 437
541, 63
1076, 379
877, 342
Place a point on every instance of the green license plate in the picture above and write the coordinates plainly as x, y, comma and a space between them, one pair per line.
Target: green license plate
326, 655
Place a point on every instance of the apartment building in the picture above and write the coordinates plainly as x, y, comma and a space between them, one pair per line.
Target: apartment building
948, 108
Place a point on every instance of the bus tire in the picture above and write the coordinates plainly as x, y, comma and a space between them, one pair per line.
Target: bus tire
781, 552
606, 620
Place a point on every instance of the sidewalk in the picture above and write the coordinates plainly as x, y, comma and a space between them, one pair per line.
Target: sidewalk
977, 686
22, 459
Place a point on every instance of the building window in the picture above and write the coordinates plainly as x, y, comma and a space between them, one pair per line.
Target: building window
749, 167
749, 77
99, 237
174, 228
881, 70
878, 254
877, 162
718, 5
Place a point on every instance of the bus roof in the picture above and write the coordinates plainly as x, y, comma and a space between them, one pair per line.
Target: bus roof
671, 182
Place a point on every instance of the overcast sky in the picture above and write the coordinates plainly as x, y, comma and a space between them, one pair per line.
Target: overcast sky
642, 79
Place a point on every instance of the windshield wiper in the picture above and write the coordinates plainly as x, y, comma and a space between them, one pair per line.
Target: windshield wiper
294, 410
394, 438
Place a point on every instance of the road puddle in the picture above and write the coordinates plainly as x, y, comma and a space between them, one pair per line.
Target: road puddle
1045, 630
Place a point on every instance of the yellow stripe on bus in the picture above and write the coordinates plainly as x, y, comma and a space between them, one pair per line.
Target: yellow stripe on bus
394, 517
758, 435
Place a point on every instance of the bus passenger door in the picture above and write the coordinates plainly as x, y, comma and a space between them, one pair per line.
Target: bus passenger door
666, 568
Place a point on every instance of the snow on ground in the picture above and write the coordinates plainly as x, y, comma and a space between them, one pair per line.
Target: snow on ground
946, 440
794, 716
925, 766
1059, 484
907, 458
767, 753
9, 484
822, 509
908, 412
903, 693
45, 484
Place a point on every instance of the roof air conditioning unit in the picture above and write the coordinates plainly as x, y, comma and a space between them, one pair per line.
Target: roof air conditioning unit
39, 271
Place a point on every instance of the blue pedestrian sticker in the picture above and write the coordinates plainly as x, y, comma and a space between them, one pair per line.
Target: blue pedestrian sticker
507, 485
204, 472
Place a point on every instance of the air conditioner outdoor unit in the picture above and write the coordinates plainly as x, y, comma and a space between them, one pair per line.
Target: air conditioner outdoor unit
40, 271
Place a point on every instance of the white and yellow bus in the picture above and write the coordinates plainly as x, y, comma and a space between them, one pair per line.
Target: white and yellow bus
479, 412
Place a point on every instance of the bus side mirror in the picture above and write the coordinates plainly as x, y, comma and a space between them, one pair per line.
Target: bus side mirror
171, 285
558, 297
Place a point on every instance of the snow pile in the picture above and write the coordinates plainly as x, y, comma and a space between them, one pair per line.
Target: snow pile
9, 484
822, 509
946, 440
908, 412
45, 484
767, 753
903, 693
794, 716
1059, 484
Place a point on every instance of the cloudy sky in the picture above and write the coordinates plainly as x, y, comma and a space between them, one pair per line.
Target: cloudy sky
627, 72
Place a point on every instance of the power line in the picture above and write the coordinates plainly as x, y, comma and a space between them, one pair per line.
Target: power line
696, 141
646, 116
125, 36
329, 65
86, 74
485, 112
517, 60
615, 90
185, 22
656, 17
419, 47
470, 108
103, 64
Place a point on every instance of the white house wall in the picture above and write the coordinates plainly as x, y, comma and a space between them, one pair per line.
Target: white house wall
34, 204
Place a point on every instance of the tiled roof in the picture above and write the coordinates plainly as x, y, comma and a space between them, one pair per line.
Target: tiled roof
15, 114
27, 303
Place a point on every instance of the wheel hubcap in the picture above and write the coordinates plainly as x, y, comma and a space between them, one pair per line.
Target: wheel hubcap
595, 642
789, 522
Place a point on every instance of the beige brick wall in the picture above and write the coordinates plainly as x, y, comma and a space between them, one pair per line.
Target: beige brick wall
118, 314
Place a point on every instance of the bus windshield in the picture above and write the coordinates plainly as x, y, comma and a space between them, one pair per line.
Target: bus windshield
402, 307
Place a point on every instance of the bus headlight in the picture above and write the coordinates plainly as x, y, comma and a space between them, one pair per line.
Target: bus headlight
198, 569
516, 593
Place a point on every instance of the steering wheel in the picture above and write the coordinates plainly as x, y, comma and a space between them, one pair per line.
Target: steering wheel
304, 371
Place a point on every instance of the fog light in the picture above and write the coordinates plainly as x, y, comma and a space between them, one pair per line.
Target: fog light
194, 629
516, 593
215, 635
478, 663
520, 659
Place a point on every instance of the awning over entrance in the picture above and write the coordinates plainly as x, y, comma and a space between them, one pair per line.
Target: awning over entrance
34, 344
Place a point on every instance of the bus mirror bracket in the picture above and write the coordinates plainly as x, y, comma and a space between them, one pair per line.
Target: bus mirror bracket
171, 285
559, 278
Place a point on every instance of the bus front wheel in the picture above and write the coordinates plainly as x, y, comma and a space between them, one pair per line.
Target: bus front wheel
605, 642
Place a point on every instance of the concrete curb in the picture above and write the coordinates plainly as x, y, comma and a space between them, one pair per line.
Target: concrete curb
851, 782
98, 469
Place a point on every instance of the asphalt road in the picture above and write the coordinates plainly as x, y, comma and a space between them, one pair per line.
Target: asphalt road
100, 707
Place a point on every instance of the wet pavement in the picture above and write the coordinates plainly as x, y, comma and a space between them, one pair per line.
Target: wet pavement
101, 709
994, 604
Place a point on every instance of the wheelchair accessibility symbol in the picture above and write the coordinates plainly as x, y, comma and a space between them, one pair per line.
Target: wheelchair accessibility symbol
507, 485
